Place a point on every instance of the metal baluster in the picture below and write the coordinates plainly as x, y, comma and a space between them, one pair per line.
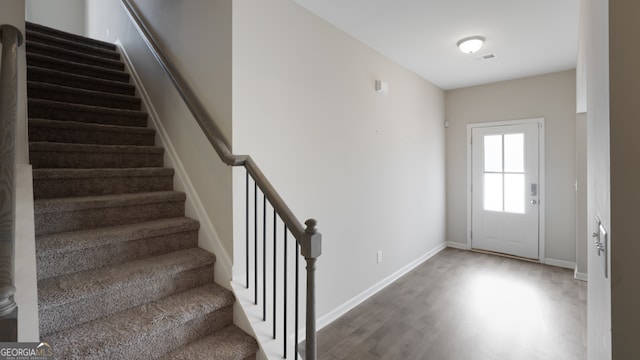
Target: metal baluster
275, 257
295, 344
284, 285
255, 242
264, 257
247, 226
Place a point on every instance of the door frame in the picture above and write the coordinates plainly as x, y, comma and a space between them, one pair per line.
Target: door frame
541, 174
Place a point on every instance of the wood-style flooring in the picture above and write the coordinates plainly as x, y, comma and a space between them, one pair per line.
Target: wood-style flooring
462, 305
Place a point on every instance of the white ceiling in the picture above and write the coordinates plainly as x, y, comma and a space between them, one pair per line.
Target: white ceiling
528, 37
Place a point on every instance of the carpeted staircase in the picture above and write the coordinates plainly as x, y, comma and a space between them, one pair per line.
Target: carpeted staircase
120, 275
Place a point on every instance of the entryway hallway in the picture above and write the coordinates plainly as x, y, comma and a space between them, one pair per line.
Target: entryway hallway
463, 305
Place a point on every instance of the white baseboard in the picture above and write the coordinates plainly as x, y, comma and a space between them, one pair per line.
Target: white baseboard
357, 300
560, 263
222, 267
579, 275
457, 245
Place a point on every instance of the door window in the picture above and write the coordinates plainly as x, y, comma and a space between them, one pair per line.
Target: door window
504, 178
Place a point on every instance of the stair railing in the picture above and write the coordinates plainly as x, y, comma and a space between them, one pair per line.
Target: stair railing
308, 239
11, 39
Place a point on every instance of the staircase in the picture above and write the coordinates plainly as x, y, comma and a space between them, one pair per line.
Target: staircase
120, 275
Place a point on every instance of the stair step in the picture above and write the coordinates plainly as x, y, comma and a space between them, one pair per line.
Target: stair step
33, 27
69, 300
86, 156
37, 90
59, 183
42, 130
56, 110
81, 47
49, 76
59, 53
81, 213
155, 328
229, 343
71, 252
53, 63
120, 275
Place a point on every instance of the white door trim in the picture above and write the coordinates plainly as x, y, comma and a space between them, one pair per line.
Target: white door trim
541, 187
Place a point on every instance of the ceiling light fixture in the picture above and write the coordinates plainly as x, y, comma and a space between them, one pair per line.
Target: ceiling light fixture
471, 44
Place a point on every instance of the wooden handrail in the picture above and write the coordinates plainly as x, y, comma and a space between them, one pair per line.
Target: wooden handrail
11, 39
309, 239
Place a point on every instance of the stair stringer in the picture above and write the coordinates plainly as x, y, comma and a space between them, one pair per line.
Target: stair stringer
208, 237
246, 316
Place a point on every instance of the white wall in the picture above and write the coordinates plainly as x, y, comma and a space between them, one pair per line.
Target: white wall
625, 177
549, 96
197, 36
581, 66
369, 167
66, 15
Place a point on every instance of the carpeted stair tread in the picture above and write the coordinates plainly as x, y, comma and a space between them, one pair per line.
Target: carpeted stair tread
67, 44
84, 239
80, 213
65, 155
69, 288
76, 67
45, 206
56, 110
67, 252
75, 56
117, 336
69, 300
62, 131
50, 155
65, 174
229, 343
30, 26
69, 182
44, 75
93, 148
37, 90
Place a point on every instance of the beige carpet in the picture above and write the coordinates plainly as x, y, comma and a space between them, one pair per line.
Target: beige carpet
120, 275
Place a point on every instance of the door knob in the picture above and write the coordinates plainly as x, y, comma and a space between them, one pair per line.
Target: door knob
533, 202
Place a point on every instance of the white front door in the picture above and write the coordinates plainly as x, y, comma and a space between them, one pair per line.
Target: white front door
505, 189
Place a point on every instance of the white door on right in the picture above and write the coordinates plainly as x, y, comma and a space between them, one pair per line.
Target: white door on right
505, 189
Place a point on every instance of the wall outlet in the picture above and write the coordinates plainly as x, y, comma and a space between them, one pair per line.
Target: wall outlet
379, 256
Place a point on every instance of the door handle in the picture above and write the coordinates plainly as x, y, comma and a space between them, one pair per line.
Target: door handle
533, 202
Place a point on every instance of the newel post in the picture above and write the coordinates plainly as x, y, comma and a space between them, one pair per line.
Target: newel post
311, 248
11, 38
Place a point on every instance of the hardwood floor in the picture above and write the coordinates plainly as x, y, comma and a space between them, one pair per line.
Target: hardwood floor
462, 305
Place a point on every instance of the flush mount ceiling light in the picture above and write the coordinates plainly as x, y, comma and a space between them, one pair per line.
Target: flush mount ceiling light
471, 44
